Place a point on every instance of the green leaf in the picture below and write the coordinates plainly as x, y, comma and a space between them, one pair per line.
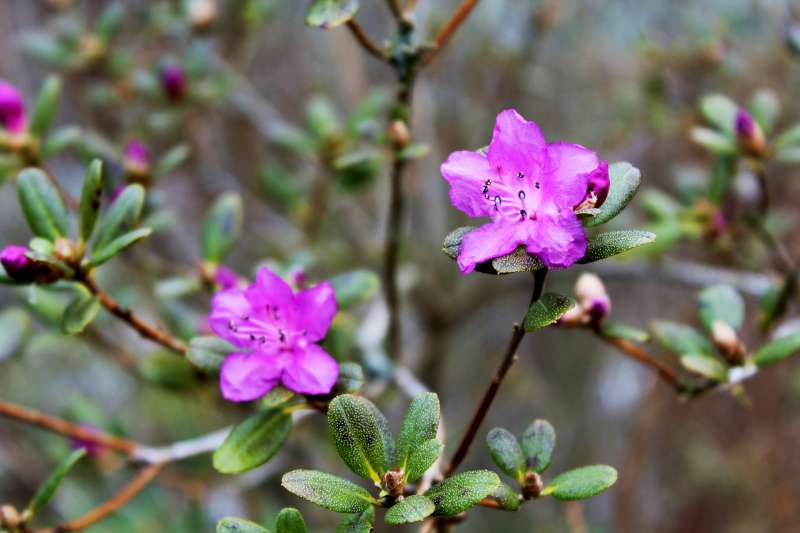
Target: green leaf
290, 521
452, 242
357, 169
777, 350
103, 253
355, 287
362, 522
222, 226
361, 435
49, 487
624, 182
538, 443
721, 302
682, 339
351, 378
458, 493
605, 245
41, 204
121, 216
419, 426
253, 442
720, 111
788, 137
765, 107
207, 353
414, 151
238, 525
14, 326
172, 159
327, 14
91, 193
279, 397
422, 458
581, 483
46, 106
164, 368
80, 312
506, 452
705, 366
713, 141
546, 310
328, 491
615, 330
411, 509
506, 497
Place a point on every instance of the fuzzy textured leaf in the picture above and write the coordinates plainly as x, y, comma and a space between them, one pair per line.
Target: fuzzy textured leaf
121, 216
412, 509
721, 302
422, 458
41, 204
207, 353
538, 443
419, 426
327, 491
290, 521
624, 182
506, 497
581, 483
362, 522
546, 310
238, 525
609, 244
361, 435
458, 493
506, 452
327, 14
253, 442
706, 366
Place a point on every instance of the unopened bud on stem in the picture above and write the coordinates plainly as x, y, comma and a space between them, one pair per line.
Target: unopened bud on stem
532, 485
399, 134
750, 135
727, 342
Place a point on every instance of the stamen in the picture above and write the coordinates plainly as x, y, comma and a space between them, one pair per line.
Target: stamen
497, 202
537, 185
520, 175
523, 214
521, 195
232, 326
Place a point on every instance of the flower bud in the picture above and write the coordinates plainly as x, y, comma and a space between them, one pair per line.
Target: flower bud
592, 296
23, 269
749, 134
398, 133
174, 82
225, 278
727, 342
202, 13
394, 482
12, 108
597, 186
532, 485
10, 517
136, 159
65, 250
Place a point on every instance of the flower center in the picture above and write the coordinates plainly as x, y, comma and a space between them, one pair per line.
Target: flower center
267, 328
515, 196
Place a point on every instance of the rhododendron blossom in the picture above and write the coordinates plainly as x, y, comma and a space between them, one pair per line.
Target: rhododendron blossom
530, 189
277, 331
12, 108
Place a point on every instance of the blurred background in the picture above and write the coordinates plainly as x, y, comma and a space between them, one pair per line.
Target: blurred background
292, 118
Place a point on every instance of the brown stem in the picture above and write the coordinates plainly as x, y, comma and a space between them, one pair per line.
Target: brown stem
144, 329
128, 492
364, 40
634, 352
76, 431
446, 33
510, 355
391, 253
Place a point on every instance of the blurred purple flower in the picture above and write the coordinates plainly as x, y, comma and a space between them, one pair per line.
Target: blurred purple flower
749, 133
277, 330
173, 81
598, 184
225, 277
528, 188
92, 448
745, 125
136, 154
23, 269
12, 108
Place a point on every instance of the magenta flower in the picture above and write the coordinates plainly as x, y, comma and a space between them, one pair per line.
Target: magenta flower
278, 331
173, 81
136, 155
225, 277
12, 108
23, 269
529, 189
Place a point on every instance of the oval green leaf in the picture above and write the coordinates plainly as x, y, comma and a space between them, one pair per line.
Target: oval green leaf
290, 521
361, 435
721, 302
419, 426
777, 350
422, 458
222, 226
624, 182
506, 452
458, 493
253, 442
327, 14
207, 353
362, 522
91, 193
327, 491
681, 339
581, 483
538, 443
41, 204
546, 310
412, 509
238, 525
44, 110
706, 366
507, 497
609, 244
121, 216
355, 287
123, 242
49, 487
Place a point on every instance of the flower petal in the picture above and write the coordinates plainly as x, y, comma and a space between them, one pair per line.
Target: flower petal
269, 288
557, 237
228, 307
315, 308
467, 172
489, 241
517, 145
310, 371
247, 376
566, 173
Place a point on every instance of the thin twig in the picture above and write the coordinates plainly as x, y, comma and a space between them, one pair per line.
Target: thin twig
634, 352
144, 329
128, 492
364, 40
446, 33
510, 355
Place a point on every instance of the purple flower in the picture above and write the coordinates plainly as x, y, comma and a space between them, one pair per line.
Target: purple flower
136, 154
598, 184
529, 189
225, 278
23, 269
12, 108
749, 133
277, 331
174, 81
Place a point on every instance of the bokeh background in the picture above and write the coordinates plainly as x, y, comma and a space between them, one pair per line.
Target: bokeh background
622, 77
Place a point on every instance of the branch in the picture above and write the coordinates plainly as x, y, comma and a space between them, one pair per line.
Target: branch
364, 40
517, 333
128, 492
144, 329
446, 33
634, 352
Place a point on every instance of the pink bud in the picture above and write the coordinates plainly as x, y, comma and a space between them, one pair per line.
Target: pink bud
23, 269
592, 296
749, 133
225, 277
136, 153
174, 81
597, 186
12, 108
